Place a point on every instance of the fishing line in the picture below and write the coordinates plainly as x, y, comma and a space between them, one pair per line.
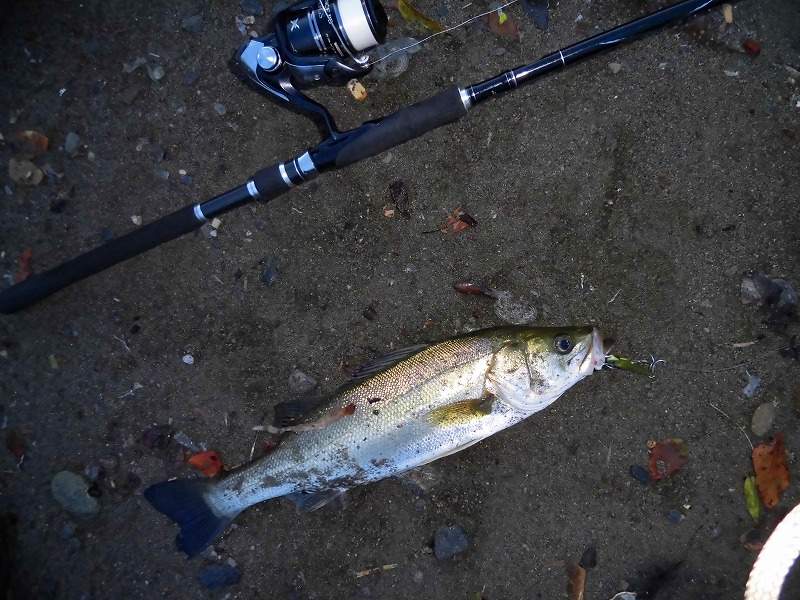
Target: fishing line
422, 41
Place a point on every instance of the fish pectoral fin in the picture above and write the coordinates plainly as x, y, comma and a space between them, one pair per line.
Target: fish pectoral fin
289, 413
311, 501
463, 411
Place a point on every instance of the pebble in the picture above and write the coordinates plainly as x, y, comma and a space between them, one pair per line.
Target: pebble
192, 24
155, 72
70, 491
763, 418
753, 383
449, 541
136, 219
72, 143
186, 179
418, 576
214, 577
640, 474
252, 7
300, 383
219, 108
162, 174
188, 359
270, 274
675, 517
396, 64
615, 67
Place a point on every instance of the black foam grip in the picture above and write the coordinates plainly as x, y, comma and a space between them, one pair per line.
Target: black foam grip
269, 183
41, 285
404, 125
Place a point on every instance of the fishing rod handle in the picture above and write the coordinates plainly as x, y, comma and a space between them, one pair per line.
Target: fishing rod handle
265, 185
375, 137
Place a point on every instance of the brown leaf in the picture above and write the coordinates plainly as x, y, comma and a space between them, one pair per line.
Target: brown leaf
576, 586
772, 475
31, 143
667, 457
457, 222
24, 270
412, 14
505, 27
15, 444
471, 288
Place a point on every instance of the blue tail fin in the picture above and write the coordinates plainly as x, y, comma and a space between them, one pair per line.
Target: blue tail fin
183, 501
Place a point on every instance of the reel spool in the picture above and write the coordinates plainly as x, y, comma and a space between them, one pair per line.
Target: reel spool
313, 42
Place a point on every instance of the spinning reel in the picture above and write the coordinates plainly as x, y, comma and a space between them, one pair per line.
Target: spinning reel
313, 42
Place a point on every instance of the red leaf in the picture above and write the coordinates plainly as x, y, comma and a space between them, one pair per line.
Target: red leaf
32, 143
458, 221
772, 475
667, 457
24, 265
470, 288
752, 47
208, 463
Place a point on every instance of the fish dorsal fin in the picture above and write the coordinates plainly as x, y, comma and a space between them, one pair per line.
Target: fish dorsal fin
384, 362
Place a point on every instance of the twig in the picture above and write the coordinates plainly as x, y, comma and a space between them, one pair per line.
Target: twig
614, 297
122, 341
739, 427
253, 447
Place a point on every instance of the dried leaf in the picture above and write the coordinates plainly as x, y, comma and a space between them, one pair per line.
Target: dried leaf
208, 463
772, 475
15, 444
576, 586
411, 14
505, 27
751, 499
32, 143
24, 270
667, 457
752, 47
457, 222
357, 90
473, 289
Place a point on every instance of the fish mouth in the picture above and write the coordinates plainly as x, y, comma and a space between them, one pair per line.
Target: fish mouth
595, 357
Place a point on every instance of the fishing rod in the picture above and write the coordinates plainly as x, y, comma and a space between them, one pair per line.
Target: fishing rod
321, 42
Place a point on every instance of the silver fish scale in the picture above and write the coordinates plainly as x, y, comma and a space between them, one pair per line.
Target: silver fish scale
388, 432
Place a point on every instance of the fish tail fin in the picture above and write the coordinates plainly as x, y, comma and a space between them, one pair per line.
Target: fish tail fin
185, 502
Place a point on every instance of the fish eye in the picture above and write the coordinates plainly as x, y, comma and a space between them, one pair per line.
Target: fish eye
563, 344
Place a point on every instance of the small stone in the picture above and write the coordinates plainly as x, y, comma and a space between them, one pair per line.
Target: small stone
418, 576
727, 13
91, 155
215, 223
162, 174
675, 517
219, 108
753, 383
615, 67
93, 472
369, 313
188, 359
184, 440
300, 383
214, 577
763, 418
270, 274
155, 72
136, 219
640, 474
192, 24
449, 541
68, 530
70, 491
72, 143
249, 20
137, 62
252, 7
186, 179
24, 172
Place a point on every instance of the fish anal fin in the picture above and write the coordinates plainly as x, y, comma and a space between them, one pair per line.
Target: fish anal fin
461, 412
311, 501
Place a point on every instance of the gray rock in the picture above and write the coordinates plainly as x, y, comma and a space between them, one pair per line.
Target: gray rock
615, 67
219, 108
192, 24
393, 60
155, 72
70, 491
763, 418
72, 143
449, 541
252, 7
753, 383
300, 383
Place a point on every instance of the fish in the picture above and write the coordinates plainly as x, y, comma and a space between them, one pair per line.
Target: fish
400, 412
